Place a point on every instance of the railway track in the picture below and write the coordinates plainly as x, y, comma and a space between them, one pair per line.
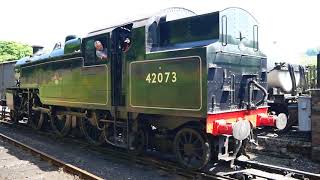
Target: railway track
287, 172
66, 167
247, 169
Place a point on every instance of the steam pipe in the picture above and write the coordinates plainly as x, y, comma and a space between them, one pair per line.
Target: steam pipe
261, 88
293, 80
303, 78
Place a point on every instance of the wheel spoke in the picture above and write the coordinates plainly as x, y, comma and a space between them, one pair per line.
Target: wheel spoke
61, 124
197, 155
196, 141
190, 138
90, 132
185, 138
36, 120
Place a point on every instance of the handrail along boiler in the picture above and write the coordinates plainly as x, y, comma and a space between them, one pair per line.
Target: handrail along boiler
175, 82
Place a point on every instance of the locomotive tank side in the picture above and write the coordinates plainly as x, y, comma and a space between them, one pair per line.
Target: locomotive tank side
170, 79
61, 78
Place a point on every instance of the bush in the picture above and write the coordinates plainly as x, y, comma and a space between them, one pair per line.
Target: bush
10, 50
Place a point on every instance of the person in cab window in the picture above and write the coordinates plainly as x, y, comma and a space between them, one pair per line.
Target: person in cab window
102, 53
126, 45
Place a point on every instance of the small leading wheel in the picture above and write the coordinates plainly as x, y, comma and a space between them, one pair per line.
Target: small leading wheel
37, 119
192, 150
90, 131
60, 124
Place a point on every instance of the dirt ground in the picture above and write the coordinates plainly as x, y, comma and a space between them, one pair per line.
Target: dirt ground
19, 164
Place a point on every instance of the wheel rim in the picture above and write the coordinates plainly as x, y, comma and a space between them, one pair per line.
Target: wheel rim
91, 132
61, 124
191, 149
36, 120
107, 134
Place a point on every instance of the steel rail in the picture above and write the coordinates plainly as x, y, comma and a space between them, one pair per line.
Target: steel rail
65, 166
278, 170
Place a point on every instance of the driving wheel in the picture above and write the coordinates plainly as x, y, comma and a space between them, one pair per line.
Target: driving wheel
192, 150
37, 119
60, 124
90, 131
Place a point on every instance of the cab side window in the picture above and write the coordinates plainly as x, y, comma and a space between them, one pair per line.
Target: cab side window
96, 50
165, 34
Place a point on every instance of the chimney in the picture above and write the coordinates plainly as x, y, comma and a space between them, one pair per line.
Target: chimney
36, 48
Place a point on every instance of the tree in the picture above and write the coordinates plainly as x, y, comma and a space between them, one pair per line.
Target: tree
312, 52
10, 50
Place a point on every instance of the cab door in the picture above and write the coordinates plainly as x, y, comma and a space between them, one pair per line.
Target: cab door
118, 37
92, 80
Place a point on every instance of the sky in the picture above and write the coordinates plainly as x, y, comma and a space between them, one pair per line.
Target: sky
287, 28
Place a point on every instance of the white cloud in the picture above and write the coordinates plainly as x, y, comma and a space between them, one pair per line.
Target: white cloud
292, 24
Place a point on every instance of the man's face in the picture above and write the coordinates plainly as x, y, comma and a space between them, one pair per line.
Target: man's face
98, 46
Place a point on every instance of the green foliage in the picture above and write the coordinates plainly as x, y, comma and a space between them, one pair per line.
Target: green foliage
307, 60
312, 52
10, 50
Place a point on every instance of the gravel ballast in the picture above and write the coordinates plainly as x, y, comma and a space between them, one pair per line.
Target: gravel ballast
80, 155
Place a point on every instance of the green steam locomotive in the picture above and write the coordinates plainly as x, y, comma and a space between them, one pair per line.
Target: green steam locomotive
175, 82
